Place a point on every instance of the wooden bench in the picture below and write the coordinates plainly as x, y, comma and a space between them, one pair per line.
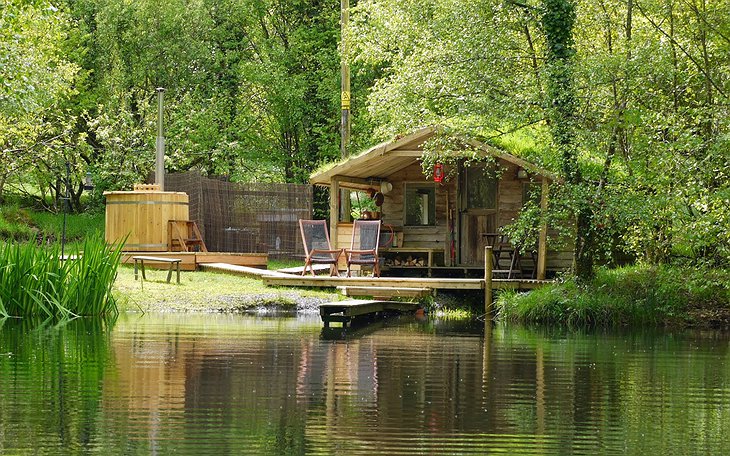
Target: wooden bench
174, 262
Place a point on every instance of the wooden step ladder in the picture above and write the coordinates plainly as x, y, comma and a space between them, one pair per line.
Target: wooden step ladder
184, 236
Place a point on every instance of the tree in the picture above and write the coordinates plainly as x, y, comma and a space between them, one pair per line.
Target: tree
632, 93
35, 79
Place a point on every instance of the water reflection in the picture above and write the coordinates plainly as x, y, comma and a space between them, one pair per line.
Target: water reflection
231, 384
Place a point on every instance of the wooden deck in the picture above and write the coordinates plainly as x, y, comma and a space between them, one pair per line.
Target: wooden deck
345, 311
399, 282
244, 271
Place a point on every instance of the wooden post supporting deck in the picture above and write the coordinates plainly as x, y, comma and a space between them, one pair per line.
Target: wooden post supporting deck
488, 281
334, 209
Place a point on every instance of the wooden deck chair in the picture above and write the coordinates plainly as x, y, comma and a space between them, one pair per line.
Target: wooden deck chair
317, 246
364, 245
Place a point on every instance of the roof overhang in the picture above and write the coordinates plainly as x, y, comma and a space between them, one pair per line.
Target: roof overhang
376, 164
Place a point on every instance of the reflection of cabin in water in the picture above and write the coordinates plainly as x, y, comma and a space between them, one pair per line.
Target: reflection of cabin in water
451, 221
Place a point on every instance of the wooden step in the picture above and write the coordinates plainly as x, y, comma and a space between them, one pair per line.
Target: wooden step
385, 292
299, 269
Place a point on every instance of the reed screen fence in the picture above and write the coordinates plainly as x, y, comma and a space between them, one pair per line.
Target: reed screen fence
246, 218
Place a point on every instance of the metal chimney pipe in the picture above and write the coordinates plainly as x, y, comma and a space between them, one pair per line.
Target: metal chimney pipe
160, 162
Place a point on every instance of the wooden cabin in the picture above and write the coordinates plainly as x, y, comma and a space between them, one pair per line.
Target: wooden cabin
445, 224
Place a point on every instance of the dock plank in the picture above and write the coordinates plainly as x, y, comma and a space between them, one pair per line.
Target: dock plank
299, 269
400, 282
344, 311
408, 282
245, 271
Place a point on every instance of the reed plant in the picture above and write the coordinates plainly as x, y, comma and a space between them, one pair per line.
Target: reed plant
36, 281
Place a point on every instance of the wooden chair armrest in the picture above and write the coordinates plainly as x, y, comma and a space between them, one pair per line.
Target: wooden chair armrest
326, 251
362, 252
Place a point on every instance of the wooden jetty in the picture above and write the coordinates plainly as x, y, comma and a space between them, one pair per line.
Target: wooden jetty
381, 286
345, 311
399, 282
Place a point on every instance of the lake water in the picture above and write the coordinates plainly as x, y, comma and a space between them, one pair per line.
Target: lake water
224, 384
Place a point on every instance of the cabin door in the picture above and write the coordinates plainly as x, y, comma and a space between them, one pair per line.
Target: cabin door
477, 211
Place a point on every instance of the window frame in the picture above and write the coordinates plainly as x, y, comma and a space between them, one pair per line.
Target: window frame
431, 186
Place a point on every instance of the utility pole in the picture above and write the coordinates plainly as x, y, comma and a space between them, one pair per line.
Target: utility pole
345, 84
345, 104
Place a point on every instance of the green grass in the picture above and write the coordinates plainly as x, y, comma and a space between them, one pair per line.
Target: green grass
276, 264
24, 225
34, 281
78, 226
205, 291
16, 224
633, 295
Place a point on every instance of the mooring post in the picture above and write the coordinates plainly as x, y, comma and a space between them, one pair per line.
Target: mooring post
488, 281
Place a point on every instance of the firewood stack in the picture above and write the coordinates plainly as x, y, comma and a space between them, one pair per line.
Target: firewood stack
408, 261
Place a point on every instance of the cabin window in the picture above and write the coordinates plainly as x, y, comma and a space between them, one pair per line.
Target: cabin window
420, 204
481, 188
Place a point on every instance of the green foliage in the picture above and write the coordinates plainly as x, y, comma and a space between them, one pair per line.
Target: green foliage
15, 224
25, 225
361, 202
34, 281
525, 231
78, 226
629, 96
252, 91
635, 295
259, 104
648, 138
453, 153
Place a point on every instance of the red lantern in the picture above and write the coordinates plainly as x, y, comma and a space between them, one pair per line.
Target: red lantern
438, 172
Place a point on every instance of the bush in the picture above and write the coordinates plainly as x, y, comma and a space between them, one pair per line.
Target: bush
629, 295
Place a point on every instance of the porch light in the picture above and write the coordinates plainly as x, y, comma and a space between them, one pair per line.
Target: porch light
385, 187
438, 172
522, 174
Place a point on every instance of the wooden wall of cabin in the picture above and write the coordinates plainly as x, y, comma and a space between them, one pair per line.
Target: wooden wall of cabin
436, 236
509, 194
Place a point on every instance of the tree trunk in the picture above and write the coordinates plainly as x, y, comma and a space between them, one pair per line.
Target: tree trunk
558, 21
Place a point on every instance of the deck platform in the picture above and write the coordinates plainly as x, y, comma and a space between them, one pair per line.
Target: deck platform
244, 271
400, 282
345, 311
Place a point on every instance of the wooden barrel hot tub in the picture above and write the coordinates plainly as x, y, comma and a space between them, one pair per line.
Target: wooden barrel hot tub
143, 215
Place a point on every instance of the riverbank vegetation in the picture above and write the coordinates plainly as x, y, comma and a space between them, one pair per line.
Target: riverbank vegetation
632, 295
36, 281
